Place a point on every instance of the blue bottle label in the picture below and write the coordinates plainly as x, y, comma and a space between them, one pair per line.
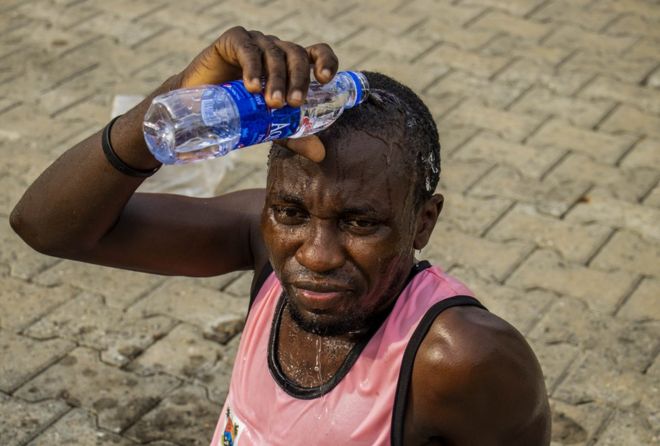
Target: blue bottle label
259, 123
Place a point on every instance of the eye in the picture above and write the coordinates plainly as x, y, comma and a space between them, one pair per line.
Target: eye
361, 226
289, 215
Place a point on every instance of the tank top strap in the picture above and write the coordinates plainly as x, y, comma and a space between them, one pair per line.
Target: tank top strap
405, 374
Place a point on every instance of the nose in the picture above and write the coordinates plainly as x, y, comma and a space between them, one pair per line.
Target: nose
322, 250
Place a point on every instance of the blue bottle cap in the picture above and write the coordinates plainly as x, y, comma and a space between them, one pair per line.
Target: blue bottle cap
361, 86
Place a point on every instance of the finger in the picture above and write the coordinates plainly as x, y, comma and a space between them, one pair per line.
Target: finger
297, 64
324, 60
275, 67
240, 48
311, 147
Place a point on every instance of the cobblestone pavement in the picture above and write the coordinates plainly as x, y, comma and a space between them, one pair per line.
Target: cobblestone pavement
549, 113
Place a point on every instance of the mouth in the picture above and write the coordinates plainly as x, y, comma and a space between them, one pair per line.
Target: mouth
319, 296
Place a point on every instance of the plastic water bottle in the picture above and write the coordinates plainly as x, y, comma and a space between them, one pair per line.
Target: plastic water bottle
207, 122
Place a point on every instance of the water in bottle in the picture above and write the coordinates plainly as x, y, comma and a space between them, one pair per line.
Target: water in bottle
209, 121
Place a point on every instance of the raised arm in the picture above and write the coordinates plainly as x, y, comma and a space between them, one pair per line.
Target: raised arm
84, 209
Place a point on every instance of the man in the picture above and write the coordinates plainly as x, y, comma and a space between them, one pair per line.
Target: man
349, 340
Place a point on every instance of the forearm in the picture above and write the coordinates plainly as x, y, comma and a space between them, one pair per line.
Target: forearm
78, 198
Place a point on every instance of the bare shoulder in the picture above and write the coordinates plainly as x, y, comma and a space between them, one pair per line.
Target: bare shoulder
473, 369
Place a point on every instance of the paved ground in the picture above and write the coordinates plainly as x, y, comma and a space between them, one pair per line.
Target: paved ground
550, 120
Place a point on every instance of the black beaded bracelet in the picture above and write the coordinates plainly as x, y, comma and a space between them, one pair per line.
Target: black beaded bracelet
115, 161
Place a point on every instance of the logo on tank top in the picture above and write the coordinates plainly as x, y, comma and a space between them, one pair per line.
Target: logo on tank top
231, 433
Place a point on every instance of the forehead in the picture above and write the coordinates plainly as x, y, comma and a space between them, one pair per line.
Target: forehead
360, 170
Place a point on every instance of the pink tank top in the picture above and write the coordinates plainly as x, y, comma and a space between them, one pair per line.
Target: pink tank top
364, 404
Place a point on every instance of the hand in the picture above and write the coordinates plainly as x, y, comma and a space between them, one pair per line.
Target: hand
311, 147
251, 55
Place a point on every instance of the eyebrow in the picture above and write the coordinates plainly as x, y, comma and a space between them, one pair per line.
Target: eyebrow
365, 209
289, 198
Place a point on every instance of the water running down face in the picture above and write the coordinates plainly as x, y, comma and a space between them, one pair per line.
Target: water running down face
341, 233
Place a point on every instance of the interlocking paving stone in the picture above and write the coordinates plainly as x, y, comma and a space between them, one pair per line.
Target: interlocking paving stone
627, 70
452, 247
194, 304
569, 36
447, 28
463, 85
627, 119
508, 24
646, 48
626, 344
117, 397
567, 11
626, 428
472, 214
456, 176
600, 207
625, 184
526, 159
215, 378
575, 242
481, 65
547, 77
28, 357
581, 113
653, 198
520, 308
576, 424
541, 73
88, 321
598, 146
23, 303
646, 99
639, 7
551, 196
595, 379
427, 75
630, 252
185, 417
192, 353
20, 420
510, 126
241, 286
120, 288
645, 154
556, 359
516, 7
643, 304
601, 290
78, 428
507, 45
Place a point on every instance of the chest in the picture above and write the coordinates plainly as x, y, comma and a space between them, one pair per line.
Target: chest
307, 359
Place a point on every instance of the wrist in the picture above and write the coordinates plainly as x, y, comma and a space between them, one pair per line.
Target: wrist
127, 135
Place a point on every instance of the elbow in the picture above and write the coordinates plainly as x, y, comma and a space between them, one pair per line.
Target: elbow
36, 236
26, 230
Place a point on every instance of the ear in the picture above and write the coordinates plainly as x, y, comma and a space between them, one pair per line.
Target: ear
427, 216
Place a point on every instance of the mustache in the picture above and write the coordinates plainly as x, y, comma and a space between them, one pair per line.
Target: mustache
331, 280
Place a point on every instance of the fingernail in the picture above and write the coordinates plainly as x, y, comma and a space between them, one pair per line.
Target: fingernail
326, 73
296, 95
276, 96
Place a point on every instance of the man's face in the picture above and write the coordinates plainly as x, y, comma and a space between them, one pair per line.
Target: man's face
340, 232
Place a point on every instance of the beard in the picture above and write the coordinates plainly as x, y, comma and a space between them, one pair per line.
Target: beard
353, 323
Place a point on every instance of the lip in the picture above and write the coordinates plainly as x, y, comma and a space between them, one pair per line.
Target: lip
319, 296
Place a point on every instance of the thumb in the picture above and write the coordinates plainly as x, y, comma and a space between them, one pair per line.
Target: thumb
311, 147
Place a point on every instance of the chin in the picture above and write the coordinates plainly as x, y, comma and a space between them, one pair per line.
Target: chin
325, 324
